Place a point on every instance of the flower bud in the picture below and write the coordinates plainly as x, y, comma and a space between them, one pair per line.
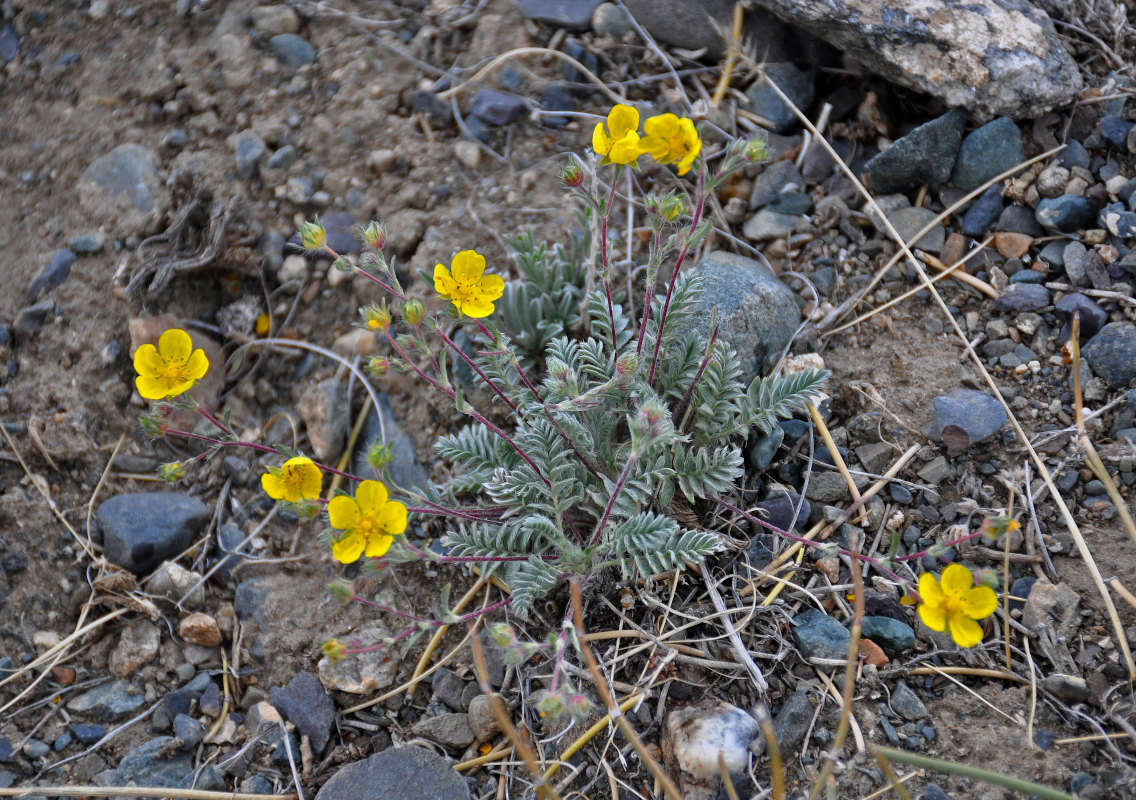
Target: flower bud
672, 207
378, 366
343, 264
333, 649
627, 364
375, 235
754, 150
341, 589
313, 235
172, 472
379, 455
413, 311
571, 175
263, 324
502, 634
551, 705
579, 706
377, 317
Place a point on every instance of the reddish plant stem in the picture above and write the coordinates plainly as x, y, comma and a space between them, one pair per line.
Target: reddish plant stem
680, 409
631, 459
697, 218
473, 365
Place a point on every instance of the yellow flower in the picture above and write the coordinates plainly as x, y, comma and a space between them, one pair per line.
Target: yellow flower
671, 140
369, 522
299, 479
468, 288
171, 368
619, 144
955, 603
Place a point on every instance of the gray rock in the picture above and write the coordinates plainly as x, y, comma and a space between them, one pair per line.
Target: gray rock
933, 792
1092, 316
123, 189
820, 636
323, 407
52, 275
1115, 130
797, 85
1019, 297
86, 244
1074, 257
87, 734
496, 108
694, 736
398, 773
137, 645
1118, 220
691, 24
292, 51
782, 510
1068, 213
452, 731
404, 469
892, 635
762, 449
142, 530
767, 225
283, 158
906, 703
299, 189
1070, 688
993, 57
827, 487
188, 731
610, 20
108, 703
923, 157
273, 20
988, 151
757, 315
983, 213
1053, 254
173, 582
35, 749
159, 762
967, 416
875, 456
9, 43
793, 720
448, 688
936, 471
1112, 353
778, 177
305, 704
572, 15
1054, 605
249, 149
180, 701
909, 221
30, 319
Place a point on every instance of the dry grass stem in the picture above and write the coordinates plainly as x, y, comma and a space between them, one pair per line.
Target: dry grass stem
440, 632
834, 454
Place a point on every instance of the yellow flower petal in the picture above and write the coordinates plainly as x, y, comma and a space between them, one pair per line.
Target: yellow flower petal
934, 617
600, 141
491, 286
175, 344
444, 284
348, 549
378, 545
476, 308
965, 631
343, 513
929, 589
371, 495
273, 486
147, 361
626, 149
980, 602
151, 388
392, 518
467, 266
197, 365
956, 580
622, 120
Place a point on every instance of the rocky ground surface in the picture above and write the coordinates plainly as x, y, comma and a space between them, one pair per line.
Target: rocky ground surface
169, 636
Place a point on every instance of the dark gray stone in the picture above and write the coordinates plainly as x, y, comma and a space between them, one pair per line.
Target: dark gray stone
757, 315
933, 792
988, 151
1112, 353
1070, 688
797, 85
109, 702
967, 416
305, 704
448, 689
762, 449
1027, 276
87, 734
820, 636
792, 203
188, 732
9, 43
35, 749
906, 703
180, 701
291, 50
909, 221
250, 149
496, 108
1068, 213
1018, 297
892, 635
776, 178
782, 510
983, 213
1118, 220
826, 487
923, 157
86, 244
126, 170
693, 25
1053, 254
1075, 155
572, 15
1018, 219
31, 318
283, 158
398, 773
1093, 317
1114, 130
142, 530
793, 720
159, 762
452, 731
52, 275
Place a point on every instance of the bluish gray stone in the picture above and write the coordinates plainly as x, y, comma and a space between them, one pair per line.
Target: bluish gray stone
988, 151
283, 158
159, 762
983, 213
88, 734
1018, 219
793, 720
762, 449
892, 635
1112, 353
757, 315
86, 244
9, 42
35, 749
781, 511
820, 636
144, 529
797, 85
305, 704
1093, 317
52, 275
794, 203
909, 221
572, 15
775, 178
1075, 155
1019, 297
109, 702
906, 703
188, 732
967, 416
62, 741
250, 149
123, 189
1118, 220
30, 319
404, 470
1068, 213
293, 51
1027, 276
1053, 254
923, 157
496, 108
1114, 130
397, 773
